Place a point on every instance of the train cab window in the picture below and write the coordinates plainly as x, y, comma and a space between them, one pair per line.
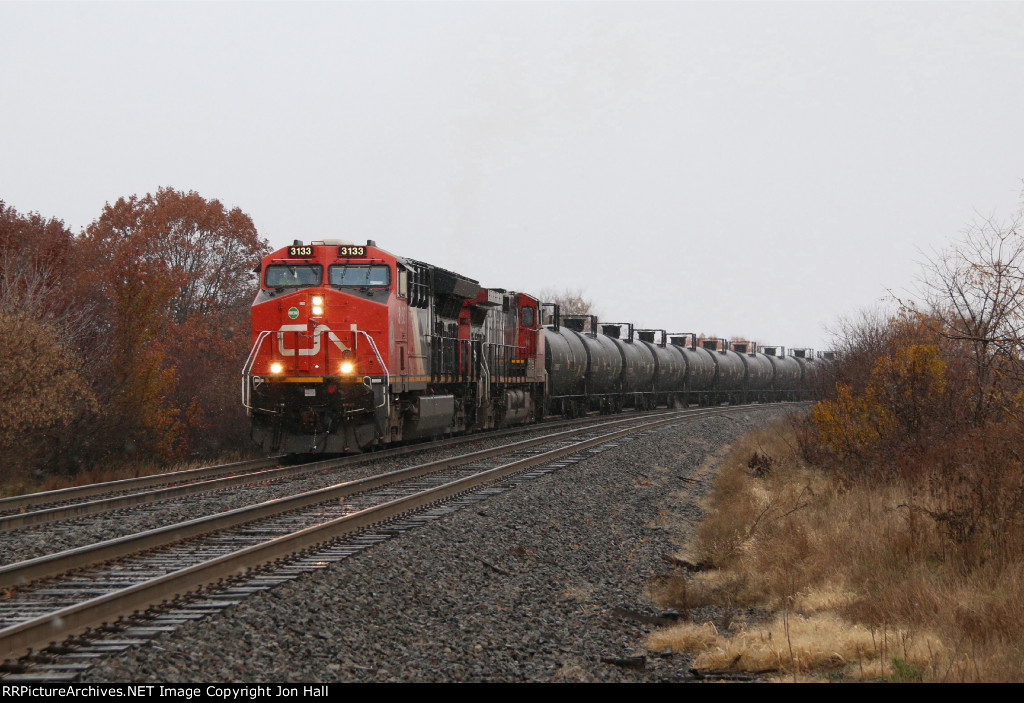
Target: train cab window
359, 275
292, 275
527, 316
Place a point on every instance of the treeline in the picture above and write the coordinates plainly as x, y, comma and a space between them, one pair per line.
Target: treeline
124, 342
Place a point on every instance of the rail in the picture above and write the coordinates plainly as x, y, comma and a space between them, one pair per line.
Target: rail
40, 629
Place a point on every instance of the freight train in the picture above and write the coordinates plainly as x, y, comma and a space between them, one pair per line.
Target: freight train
355, 348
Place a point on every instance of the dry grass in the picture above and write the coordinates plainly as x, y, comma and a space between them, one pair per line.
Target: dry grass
861, 585
824, 643
685, 637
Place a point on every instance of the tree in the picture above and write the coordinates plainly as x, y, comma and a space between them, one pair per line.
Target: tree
197, 245
32, 243
42, 388
974, 291
891, 390
570, 301
173, 271
44, 351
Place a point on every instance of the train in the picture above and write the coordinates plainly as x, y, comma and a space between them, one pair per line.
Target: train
355, 348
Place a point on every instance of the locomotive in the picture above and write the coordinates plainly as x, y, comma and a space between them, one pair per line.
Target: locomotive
355, 348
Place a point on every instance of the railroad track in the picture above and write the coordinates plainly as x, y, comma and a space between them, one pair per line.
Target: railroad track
157, 565
78, 501
44, 501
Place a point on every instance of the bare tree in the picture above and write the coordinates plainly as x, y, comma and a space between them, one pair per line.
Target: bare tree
975, 292
570, 301
860, 340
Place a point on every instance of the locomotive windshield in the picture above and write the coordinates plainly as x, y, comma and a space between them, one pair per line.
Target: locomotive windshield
359, 275
292, 275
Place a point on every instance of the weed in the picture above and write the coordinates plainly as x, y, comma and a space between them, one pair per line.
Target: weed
906, 672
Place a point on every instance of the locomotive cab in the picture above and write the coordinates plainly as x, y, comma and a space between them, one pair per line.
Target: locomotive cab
314, 360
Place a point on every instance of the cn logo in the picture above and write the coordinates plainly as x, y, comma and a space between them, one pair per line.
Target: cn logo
317, 332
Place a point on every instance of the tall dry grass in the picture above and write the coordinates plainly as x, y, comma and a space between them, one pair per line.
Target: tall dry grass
900, 579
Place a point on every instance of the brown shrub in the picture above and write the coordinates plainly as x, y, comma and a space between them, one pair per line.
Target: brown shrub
41, 389
927, 565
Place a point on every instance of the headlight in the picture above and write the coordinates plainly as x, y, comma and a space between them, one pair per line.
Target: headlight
347, 366
317, 310
275, 368
317, 300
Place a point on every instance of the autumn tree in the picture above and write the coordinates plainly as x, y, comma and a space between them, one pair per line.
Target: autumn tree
891, 391
938, 368
196, 245
859, 340
174, 272
44, 390
33, 245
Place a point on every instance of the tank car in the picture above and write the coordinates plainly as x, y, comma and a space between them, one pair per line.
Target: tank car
786, 372
701, 369
669, 368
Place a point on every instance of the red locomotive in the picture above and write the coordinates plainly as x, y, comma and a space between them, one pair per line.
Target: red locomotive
354, 347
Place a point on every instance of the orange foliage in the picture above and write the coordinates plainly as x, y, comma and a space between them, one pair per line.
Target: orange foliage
41, 387
174, 271
125, 341
904, 396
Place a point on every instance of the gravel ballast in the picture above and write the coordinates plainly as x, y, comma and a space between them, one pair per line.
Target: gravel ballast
539, 583
39, 540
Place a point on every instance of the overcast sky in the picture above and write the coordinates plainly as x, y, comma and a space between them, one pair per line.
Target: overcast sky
742, 169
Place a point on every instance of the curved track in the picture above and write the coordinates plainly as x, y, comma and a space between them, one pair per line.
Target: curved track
153, 566
79, 501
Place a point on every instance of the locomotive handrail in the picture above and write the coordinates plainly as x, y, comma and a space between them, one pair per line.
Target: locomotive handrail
486, 395
380, 360
247, 367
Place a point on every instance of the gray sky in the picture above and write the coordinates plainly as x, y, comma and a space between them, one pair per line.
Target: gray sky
734, 168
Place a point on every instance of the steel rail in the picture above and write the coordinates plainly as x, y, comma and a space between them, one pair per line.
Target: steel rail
197, 481
92, 507
42, 630
23, 572
92, 489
